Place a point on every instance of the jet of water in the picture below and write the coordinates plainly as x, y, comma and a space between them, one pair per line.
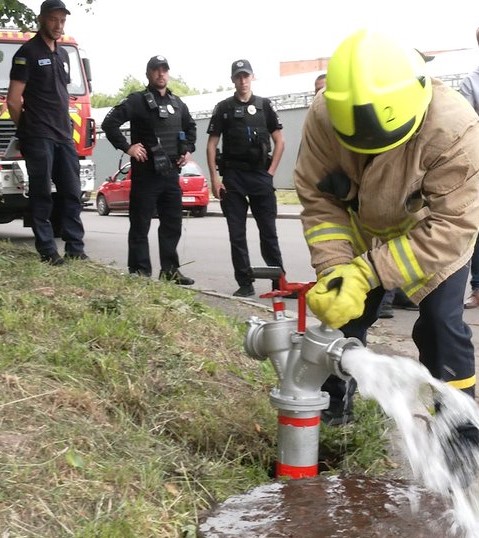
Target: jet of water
407, 392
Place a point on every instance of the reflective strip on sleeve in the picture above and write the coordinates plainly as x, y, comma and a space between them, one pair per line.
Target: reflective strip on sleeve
386, 234
406, 261
328, 231
360, 245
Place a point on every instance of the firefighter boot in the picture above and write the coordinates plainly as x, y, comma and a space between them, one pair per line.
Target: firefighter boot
340, 409
461, 453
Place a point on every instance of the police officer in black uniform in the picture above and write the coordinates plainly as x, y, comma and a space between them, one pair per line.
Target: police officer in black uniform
163, 136
247, 123
38, 103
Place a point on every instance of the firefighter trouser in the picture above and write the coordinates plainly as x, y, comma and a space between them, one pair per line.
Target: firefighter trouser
161, 195
440, 334
252, 189
48, 161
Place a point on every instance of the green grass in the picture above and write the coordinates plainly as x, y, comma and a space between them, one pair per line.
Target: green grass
287, 196
128, 406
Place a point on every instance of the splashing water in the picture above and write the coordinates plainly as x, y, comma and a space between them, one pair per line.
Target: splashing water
406, 390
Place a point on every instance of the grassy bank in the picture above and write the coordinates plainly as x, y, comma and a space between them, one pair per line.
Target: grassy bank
128, 406
285, 196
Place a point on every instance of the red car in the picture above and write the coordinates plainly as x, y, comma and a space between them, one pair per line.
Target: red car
114, 193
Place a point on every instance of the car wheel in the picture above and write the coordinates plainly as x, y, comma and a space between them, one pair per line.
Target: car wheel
102, 206
199, 211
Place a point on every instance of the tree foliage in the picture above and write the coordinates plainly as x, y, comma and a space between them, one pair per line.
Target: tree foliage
131, 84
18, 14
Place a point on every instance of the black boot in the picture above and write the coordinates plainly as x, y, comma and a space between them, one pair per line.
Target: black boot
177, 277
340, 410
401, 300
461, 453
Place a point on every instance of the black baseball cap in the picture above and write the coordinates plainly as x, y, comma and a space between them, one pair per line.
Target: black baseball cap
157, 61
51, 5
241, 66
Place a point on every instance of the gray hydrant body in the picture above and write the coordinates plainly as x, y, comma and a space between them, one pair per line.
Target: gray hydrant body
303, 362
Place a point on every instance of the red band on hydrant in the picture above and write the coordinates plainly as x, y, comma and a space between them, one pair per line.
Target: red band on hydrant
298, 422
293, 471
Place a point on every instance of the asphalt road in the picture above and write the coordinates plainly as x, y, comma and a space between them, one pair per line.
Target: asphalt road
204, 248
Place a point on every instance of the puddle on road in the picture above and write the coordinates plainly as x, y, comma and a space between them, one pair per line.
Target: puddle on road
332, 507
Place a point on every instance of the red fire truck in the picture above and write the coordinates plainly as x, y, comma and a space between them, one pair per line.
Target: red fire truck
13, 173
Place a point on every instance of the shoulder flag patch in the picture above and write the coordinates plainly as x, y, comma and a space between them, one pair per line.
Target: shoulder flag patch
20, 61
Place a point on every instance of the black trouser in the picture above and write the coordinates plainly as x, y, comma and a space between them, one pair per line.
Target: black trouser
440, 334
160, 194
475, 266
252, 189
49, 161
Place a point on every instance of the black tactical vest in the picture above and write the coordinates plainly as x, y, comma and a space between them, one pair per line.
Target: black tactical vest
245, 134
166, 120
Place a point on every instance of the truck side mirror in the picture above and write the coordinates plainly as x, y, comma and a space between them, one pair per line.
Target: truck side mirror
87, 68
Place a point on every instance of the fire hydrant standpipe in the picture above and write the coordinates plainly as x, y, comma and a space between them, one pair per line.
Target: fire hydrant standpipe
303, 358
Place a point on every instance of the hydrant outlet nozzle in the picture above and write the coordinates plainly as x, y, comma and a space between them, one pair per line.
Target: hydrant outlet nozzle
336, 350
253, 342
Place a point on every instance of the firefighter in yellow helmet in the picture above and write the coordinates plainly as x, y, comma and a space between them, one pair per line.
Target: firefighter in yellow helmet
388, 175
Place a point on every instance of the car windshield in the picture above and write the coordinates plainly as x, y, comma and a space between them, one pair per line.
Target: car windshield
122, 172
191, 169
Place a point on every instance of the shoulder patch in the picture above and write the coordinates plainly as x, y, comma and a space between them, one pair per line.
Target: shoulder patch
18, 60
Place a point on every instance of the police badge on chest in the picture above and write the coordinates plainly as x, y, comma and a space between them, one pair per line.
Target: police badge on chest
240, 111
162, 111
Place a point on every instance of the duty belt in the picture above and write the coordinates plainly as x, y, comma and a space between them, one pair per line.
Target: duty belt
242, 165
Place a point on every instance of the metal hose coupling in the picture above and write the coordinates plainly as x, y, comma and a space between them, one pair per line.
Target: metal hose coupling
325, 346
265, 338
253, 342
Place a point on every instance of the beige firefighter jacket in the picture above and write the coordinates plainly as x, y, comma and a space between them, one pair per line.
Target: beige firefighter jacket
414, 209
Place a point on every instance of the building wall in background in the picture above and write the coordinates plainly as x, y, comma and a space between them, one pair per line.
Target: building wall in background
295, 67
